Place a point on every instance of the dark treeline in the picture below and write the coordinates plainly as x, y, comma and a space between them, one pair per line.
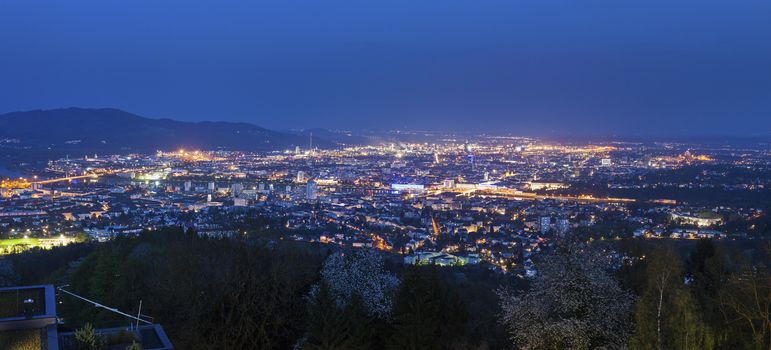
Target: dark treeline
694, 196
703, 296
263, 294
235, 294
722, 184
208, 294
38, 265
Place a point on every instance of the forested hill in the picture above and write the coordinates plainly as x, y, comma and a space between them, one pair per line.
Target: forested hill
258, 293
79, 131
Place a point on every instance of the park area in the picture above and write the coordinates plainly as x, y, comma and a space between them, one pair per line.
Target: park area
18, 245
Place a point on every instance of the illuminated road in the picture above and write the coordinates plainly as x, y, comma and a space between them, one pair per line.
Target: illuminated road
8, 185
62, 179
515, 194
89, 176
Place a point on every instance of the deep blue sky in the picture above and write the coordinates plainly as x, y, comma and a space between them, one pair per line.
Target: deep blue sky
522, 66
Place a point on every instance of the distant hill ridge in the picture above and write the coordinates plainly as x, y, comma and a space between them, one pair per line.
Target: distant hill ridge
108, 130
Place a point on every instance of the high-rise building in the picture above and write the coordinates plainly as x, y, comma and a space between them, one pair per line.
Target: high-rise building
236, 189
563, 225
311, 190
544, 224
212, 186
188, 186
301, 176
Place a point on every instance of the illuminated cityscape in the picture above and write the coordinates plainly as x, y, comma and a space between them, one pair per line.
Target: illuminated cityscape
385, 175
493, 200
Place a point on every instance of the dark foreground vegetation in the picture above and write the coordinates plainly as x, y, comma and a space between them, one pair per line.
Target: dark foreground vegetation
264, 294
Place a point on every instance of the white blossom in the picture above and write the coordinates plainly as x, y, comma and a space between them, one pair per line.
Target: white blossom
573, 303
360, 273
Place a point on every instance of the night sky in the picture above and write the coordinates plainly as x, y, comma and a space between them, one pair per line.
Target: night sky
521, 66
